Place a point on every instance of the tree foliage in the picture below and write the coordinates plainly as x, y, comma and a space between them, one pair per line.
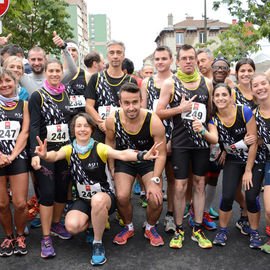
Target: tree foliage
237, 42
32, 22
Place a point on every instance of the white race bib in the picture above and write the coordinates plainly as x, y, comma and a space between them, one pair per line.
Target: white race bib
57, 133
88, 191
9, 130
238, 147
77, 101
105, 111
198, 110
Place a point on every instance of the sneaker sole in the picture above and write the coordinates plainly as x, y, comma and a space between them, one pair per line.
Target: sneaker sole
60, 236
6, 254
19, 252
101, 263
240, 228
219, 244
152, 244
209, 228
255, 247
214, 217
195, 240
175, 246
48, 256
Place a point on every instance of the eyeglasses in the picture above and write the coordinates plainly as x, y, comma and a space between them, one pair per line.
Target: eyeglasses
223, 68
191, 58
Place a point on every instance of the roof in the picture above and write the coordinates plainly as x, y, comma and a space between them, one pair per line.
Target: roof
188, 23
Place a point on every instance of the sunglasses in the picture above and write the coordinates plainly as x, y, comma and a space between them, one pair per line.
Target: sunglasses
223, 68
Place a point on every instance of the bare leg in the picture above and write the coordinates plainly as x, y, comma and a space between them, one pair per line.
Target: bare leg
46, 214
170, 185
76, 221
58, 211
198, 197
266, 197
179, 200
224, 218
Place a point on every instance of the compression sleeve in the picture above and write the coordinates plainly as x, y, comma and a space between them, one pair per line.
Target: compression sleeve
102, 150
71, 70
68, 150
247, 113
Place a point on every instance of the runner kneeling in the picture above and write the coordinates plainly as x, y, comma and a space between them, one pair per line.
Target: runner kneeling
87, 159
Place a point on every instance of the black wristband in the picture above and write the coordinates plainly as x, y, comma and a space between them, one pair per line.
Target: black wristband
140, 155
63, 47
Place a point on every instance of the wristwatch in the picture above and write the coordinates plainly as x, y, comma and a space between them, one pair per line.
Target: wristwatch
155, 179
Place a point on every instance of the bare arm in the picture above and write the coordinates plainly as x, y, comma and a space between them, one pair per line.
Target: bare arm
144, 93
23, 135
90, 109
247, 177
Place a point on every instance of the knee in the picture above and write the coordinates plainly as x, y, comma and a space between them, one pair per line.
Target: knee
180, 188
72, 225
123, 199
253, 204
226, 203
99, 203
19, 206
4, 206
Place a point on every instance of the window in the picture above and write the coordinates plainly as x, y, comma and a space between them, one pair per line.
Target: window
201, 37
179, 38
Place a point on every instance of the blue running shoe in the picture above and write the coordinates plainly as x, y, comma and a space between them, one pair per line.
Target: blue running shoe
47, 249
243, 225
35, 223
186, 214
255, 239
213, 214
191, 217
59, 230
221, 238
137, 188
98, 257
208, 223
89, 235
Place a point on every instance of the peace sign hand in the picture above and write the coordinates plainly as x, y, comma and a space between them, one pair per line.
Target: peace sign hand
153, 153
186, 105
41, 150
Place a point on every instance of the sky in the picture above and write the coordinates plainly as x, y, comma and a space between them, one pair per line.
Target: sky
138, 23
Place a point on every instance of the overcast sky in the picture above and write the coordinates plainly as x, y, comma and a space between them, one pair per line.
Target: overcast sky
138, 23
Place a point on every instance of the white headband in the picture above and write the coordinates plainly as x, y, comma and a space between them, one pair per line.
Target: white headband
72, 45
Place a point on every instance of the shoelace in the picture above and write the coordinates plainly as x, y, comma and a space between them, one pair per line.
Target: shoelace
98, 249
123, 231
20, 240
47, 243
7, 242
154, 233
255, 236
221, 235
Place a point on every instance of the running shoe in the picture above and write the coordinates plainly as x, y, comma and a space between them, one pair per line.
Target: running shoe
255, 239
213, 214
145, 223
20, 246
155, 239
221, 238
208, 223
200, 238
177, 240
137, 188
267, 230
7, 246
98, 255
108, 226
186, 214
143, 201
47, 249
122, 237
169, 224
36, 223
59, 230
243, 225
89, 235
266, 247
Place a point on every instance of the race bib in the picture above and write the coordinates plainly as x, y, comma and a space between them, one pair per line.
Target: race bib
198, 110
238, 147
77, 101
57, 133
9, 130
86, 192
105, 111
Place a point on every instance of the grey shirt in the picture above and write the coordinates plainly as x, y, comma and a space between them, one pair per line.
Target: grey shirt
32, 82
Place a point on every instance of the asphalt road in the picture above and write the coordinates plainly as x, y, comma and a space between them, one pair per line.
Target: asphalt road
138, 254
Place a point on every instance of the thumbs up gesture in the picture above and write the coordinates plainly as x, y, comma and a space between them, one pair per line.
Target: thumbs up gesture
57, 40
4, 40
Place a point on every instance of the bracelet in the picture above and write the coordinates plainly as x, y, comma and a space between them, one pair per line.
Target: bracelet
63, 47
201, 133
140, 155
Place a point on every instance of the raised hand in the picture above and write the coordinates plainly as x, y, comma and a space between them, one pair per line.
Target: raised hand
197, 125
41, 150
153, 153
4, 40
57, 40
186, 105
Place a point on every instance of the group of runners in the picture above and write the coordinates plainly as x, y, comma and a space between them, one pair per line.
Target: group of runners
100, 129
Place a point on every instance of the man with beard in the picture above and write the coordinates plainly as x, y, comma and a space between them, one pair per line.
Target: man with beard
102, 92
37, 59
134, 128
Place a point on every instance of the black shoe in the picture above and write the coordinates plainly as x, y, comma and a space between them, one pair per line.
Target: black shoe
7, 246
20, 246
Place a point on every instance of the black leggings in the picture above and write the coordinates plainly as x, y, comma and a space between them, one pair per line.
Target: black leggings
53, 181
232, 175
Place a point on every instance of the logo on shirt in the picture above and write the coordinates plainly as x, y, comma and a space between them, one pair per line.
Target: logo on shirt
58, 128
7, 125
87, 188
92, 165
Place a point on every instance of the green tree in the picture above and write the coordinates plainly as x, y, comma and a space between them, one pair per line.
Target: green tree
32, 22
237, 41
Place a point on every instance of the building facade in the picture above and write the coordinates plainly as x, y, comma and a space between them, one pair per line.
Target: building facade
99, 32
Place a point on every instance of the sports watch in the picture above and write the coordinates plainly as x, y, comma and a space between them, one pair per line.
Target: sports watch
155, 179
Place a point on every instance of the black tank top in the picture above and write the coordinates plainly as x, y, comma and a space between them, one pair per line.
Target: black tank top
9, 129
241, 99
142, 140
183, 135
